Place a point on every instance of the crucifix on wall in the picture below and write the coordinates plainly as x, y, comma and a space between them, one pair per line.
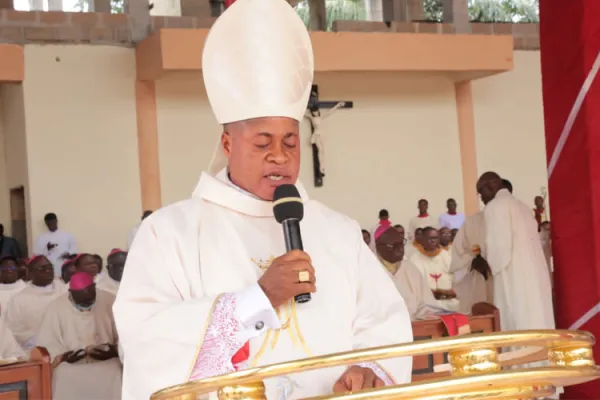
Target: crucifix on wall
317, 112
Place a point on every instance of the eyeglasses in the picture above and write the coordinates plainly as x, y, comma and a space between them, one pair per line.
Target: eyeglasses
8, 268
40, 268
392, 246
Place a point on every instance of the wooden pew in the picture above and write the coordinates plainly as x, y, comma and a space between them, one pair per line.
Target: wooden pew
484, 318
30, 380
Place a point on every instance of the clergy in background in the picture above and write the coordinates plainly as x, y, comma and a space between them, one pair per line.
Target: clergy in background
55, 244
407, 278
451, 219
422, 220
114, 268
79, 332
9, 348
10, 283
208, 280
522, 289
27, 308
472, 285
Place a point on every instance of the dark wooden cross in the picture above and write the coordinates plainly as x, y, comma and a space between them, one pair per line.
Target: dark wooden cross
314, 114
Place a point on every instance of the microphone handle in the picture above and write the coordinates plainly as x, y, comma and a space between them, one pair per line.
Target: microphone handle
293, 241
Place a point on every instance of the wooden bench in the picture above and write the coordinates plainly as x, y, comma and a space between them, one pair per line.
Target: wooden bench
30, 380
484, 318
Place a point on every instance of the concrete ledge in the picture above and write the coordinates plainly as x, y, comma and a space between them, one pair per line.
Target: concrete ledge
461, 57
12, 63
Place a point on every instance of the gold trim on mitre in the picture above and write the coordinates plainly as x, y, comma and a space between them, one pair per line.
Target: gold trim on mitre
257, 62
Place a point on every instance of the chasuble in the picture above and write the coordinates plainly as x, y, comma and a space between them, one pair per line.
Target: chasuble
189, 299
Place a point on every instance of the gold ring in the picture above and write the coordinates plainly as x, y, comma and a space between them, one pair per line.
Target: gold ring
303, 276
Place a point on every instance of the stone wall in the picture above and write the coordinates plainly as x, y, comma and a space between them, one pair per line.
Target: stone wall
103, 28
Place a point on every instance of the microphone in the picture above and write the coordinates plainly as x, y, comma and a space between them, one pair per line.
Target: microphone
289, 211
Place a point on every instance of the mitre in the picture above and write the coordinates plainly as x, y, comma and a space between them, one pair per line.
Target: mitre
257, 62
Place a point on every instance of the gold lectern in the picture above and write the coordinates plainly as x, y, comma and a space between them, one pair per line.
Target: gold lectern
476, 370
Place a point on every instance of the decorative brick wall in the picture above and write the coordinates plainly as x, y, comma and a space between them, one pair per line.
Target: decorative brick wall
66, 27
526, 36
103, 28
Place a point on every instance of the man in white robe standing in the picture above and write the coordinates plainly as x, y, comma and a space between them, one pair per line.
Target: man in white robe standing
522, 289
208, 280
55, 244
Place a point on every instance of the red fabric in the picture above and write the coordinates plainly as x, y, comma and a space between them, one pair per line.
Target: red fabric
454, 322
228, 3
242, 355
570, 42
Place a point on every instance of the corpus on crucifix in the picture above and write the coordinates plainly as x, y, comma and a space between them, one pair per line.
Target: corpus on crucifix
317, 112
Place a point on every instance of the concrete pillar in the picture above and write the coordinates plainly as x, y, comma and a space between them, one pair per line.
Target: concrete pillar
171, 8
403, 10
7, 4
318, 15
197, 8
102, 6
456, 12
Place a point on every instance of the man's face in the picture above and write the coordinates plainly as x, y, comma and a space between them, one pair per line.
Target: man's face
423, 206
52, 224
390, 246
89, 264
84, 297
116, 265
367, 237
445, 236
451, 205
67, 272
9, 271
263, 154
41, 272
401, 231
431, 240
485, 192
539, 202
419, 235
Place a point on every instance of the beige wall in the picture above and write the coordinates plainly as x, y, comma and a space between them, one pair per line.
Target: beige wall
4, 188
82, 141
510, 128
373, 152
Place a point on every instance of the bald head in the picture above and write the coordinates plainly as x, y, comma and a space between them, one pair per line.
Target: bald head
488, 185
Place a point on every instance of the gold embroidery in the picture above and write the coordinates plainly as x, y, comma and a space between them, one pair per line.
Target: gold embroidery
263, 264
206, 324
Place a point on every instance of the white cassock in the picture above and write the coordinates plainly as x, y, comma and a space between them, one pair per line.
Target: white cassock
190, 281
420, 222
437, 271
132, 234
9, 348
65, 328
522, 290
106, 283
415, 291
65, 243
7, 291
470, 286
26, 311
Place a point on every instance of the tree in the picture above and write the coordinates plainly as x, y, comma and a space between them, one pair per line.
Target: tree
337, 10
490, 10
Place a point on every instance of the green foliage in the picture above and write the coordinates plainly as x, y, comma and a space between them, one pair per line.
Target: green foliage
490, 10
337, 10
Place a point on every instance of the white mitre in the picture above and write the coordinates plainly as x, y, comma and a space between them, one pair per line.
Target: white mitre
257, 62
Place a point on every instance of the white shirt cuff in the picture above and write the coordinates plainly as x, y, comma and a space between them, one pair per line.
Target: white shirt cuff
255, 312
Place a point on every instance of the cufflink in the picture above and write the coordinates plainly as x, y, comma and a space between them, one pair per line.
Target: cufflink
259, 325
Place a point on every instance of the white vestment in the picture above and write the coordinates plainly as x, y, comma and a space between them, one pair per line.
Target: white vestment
7, 291
132, 234
437, 271
9, 348
106, 283
65, 328
65, 243
414, 288
522, 290
471, 287
190, 290
420, 222
26, 311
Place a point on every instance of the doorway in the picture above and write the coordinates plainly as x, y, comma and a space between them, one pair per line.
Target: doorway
19, 217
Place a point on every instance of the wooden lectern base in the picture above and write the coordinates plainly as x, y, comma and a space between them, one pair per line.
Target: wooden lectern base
30, 380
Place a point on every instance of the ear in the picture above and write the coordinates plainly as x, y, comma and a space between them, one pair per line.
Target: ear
226, 143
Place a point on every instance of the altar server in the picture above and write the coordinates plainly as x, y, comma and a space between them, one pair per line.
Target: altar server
208, 280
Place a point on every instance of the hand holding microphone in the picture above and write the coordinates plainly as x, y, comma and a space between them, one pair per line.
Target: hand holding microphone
292, 274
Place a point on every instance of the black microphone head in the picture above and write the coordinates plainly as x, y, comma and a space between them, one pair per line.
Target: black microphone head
287, 203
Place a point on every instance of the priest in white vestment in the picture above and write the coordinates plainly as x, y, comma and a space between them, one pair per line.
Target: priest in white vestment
208, 280
115, 265
26, 309
9, 348
134, 230
522, 289
407, 278
10, 283
57, 245
79, 332
434, 264
471, 286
